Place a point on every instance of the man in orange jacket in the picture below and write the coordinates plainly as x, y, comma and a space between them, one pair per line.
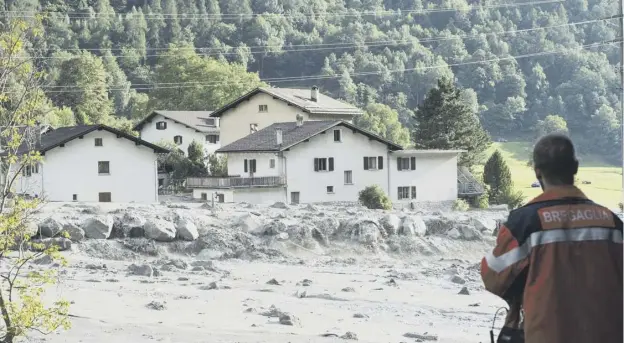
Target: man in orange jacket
559, 257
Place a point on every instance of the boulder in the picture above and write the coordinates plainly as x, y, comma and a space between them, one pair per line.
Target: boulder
484, 225
50, 227
250, 224
186, 229
327, 226
280, 205
129, 225
391, 223
465, 232
311, 208
75, 232
413, 226
365, 231
98, 227
274, 227
141, 270
160, 230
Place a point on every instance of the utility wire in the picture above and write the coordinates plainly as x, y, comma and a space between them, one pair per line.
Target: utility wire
351, 13
326, 46
322, 77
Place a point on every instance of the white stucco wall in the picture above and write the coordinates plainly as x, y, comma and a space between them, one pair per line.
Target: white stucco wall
260, 195
435, 177
73, 169
228, 194
235, 122
236, 164
348, 155
150, 133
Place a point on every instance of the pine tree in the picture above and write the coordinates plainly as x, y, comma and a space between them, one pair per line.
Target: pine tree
497, 176
445, 121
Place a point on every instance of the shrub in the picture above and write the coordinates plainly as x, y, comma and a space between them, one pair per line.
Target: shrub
373, 197
482, 201
513, 199
460, 205
621, 207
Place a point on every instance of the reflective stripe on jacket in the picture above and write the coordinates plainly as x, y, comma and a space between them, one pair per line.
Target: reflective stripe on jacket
562, 255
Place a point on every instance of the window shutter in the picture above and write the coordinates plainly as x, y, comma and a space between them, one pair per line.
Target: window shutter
399, 193
413, 192
380, 162
252, 165
246, 166
365, 163
316, 164
413, 162
331, 164
398, 163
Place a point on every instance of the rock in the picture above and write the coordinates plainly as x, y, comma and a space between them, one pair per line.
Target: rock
365, 231
391, 223
350, 336
484, 225
283, 236
177, 263
186, 229
454, 234
305, 282
360, 315
60, 242
156, 305
198, 269
45, 259
392, 283
272, 312
348, 289
273, 228
422, 338
311, 208
273, 282
250, 224
141, 270
182, 278
499, 207
302, 293
210, 286
327, 226
209, 254
160, 230
50, 227
465, 232
129, 225
464, 291
74, 232
204, 264
98, 227
413, 226
458, 280
289, 319
280, 205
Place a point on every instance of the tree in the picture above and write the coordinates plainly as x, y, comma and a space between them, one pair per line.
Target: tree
551, 124
445, 121
21, 305
384, 121
196, 152
497, 176
217, 165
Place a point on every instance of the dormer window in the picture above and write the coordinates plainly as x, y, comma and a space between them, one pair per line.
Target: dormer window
177, 140
263, 108
161, 125
209, 121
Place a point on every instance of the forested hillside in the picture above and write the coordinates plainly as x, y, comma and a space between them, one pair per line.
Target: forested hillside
518, 63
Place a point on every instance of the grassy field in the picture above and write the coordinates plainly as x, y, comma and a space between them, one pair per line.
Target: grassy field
606, 180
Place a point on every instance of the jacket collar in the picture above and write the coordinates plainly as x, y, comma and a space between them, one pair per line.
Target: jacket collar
559, 192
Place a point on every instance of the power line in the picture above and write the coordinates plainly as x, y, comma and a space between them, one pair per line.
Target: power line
341, 45
351, 13
321, 77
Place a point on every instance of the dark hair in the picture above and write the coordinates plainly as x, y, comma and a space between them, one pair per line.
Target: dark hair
555, 158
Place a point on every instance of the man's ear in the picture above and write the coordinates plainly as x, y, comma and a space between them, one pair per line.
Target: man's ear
538, 173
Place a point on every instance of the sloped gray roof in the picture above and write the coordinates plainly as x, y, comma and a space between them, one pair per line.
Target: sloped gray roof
195, 120
301, 99
265, 140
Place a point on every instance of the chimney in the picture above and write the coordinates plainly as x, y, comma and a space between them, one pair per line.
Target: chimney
299, 119
314, 94
278, 136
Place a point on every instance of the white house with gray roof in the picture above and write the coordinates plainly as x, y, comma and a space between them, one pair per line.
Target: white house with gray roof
264, 106
181, 128
327, 161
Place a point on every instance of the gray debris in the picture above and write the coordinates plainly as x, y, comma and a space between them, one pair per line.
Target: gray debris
273, 282
50, 227
209, 287
464, 291
350, 336
43, 260
348, 289
186, 229
160, 230
360, 315
458, 280
413, 226
141, 270
98, 227
289, 319
62, 243
280, 205
424, 337
156, 305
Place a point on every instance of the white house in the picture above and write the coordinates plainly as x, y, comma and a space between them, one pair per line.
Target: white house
327, 161
91, 163
264, 106
181, 128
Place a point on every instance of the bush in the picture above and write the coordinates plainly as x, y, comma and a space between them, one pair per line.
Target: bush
621, 207
513, 199
374, 198
460, 205
482, 201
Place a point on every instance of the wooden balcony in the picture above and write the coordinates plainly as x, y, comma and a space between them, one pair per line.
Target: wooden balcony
235, 182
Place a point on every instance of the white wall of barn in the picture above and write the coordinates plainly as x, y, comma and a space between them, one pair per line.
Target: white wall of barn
150, 133
73, 169
348, 156
435, 177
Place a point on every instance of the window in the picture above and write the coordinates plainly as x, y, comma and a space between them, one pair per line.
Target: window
294, 197
213, 139
209, 121
26, 171
348, 177
177, 140
337, 136
250, 166
161, 182
253, 128
75, 197
324, 164
406, 163
373, 163
330, 189
161, 125
204, 196
407, 192
403, 193
272, 163
98, 142
103, 167
263, 108
220, 197
35, 168
105, 197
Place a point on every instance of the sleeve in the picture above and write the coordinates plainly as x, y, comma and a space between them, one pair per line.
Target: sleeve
504, 270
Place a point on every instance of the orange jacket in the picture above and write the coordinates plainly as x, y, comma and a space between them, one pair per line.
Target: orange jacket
561, 256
